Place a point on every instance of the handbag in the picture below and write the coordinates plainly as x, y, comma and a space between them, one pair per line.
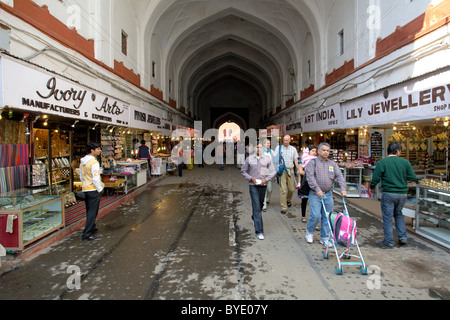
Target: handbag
81, 195
304, 186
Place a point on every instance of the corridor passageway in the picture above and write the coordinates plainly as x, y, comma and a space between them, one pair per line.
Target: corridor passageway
193, 238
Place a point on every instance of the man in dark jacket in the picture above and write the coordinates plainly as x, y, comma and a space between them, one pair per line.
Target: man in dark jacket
144, 154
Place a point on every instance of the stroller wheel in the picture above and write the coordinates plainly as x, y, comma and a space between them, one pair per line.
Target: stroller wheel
338, 270
363, 270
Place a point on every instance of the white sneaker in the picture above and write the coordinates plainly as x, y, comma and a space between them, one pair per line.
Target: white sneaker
309, 237
260, 236
326, 243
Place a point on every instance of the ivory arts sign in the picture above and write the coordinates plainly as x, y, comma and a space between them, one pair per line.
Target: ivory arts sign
423, 99
28, 88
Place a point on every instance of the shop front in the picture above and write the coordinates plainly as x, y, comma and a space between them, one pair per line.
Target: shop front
417, 115
414, 113
156, 133
45, 124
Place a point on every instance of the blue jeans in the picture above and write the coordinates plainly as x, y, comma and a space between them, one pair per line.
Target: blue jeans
257, 194
391, 207
318, 213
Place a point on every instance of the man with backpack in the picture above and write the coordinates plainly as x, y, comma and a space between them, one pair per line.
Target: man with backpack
394, 173
286, 155
320, 174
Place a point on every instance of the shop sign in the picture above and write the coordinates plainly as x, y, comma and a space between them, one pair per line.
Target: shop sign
141, 118
323, 119
423, 99
165, 128
29, 88
294, 127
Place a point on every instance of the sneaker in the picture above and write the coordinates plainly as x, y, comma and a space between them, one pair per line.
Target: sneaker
260, 236
283, 211
382, 245
309, 237
326, 243
289, 204
297, 186
264, 209
402, 242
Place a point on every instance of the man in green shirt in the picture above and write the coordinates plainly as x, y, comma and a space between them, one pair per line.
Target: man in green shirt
394, 173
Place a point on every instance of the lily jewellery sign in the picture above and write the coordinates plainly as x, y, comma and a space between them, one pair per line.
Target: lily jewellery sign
26, 87
423, 99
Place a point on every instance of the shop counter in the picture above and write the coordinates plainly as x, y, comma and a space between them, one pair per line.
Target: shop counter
131, 174
140, 169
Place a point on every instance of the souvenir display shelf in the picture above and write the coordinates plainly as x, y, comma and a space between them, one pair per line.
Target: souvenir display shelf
159, 165
433, 213
27, 216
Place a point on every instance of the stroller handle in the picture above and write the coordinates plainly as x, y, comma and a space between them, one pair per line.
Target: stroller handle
325, 209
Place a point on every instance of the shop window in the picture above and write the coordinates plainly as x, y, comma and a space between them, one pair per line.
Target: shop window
341, 42
124, 43
308, 69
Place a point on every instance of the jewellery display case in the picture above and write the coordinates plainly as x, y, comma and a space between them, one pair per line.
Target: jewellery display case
27, 216
433, 213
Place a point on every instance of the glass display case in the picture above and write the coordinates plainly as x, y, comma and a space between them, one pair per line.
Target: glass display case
353, 179
433, 213
27, 216
133, 172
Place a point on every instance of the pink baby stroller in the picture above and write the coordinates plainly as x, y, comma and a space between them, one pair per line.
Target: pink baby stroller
343, 235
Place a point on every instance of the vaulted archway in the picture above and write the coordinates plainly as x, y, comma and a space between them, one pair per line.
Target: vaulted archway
214, 51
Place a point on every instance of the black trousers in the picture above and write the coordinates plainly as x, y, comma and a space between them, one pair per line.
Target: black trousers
92, 201
257, 194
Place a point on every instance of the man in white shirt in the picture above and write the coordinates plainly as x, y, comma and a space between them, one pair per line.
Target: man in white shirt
92, 187
289, 157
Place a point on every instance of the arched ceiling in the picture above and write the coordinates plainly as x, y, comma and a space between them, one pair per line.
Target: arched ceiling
238, 51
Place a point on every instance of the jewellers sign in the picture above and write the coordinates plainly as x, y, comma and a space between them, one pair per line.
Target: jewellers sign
323, 119
424, 99
29, 88
143, 119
